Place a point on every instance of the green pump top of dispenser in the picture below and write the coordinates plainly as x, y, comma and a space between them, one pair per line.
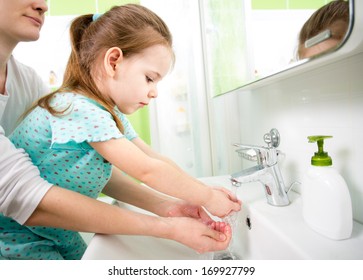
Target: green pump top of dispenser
320, 157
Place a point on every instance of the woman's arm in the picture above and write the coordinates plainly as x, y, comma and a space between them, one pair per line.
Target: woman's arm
165, 177
70, 210
21, 187
21, 193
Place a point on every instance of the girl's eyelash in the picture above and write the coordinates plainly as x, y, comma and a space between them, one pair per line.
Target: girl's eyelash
149, 79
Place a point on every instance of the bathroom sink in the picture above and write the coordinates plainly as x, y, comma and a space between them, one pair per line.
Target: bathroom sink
261, 231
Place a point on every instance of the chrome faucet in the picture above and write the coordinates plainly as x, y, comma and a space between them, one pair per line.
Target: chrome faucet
266, 171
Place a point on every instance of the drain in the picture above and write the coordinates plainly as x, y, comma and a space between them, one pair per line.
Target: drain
248, 222
225, 255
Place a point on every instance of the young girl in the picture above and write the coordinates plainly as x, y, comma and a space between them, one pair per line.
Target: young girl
76, 134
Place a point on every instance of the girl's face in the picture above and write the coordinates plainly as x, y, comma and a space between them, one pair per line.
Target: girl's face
136, 79
318, 48
338, 29
21, 20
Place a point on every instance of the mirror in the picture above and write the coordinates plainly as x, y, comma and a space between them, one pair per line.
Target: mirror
248, 40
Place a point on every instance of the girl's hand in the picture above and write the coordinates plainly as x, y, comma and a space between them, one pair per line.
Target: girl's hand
198, 236
222, 202
182, 208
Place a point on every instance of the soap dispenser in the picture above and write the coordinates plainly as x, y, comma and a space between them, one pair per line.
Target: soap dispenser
327, 206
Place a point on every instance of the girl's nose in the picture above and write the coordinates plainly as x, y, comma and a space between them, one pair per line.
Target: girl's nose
153, 93
41, 6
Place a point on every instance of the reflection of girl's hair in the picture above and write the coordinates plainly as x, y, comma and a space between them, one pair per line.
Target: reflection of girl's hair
333, 16
132, 28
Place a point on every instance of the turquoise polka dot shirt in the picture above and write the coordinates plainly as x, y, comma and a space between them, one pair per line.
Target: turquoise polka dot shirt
58, 145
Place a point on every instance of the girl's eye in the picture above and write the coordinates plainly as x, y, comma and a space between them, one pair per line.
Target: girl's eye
148, 79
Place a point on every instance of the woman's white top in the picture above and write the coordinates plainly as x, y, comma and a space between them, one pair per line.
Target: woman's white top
21, 187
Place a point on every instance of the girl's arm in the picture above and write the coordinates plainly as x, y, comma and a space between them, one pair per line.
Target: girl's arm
173, 207
151, 153
147, 149
125, 189
165, 177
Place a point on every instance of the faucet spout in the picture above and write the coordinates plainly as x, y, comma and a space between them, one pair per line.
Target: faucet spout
247, 175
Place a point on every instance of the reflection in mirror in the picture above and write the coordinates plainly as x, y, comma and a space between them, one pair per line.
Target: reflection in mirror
324, 30
225, 45
248, 40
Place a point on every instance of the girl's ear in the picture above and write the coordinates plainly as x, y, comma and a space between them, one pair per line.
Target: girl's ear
112, 58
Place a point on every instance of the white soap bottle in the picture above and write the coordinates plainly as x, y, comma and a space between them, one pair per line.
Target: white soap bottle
327, 206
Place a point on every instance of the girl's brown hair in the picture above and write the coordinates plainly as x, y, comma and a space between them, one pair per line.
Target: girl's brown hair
323, 19
130, 27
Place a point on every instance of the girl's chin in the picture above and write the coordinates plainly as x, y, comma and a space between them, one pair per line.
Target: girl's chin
130, 110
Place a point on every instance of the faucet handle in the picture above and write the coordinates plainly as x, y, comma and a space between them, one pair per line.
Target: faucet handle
272, 139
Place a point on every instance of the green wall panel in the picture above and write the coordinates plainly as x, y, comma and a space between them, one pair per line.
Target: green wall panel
141, 123
105, 5
71, 7
287, 4
268, 4
306, 4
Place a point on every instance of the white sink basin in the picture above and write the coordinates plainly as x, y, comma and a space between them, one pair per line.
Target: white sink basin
262, 231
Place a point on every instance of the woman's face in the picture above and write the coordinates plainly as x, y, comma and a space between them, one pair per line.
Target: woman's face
21, 20
135, 83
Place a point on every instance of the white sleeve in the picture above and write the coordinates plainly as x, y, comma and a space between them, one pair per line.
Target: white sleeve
21, 187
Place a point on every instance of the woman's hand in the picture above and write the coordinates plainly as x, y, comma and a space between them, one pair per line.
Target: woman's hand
199, 236
180, 208
222, 202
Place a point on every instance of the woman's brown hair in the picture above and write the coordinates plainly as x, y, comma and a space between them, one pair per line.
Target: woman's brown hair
130, 27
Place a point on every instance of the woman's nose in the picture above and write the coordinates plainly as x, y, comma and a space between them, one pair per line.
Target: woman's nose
41, 6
